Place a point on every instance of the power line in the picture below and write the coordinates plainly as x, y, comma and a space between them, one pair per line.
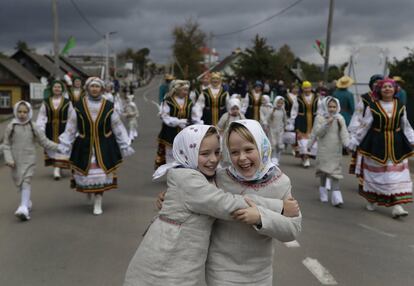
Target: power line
260, 22
86, 19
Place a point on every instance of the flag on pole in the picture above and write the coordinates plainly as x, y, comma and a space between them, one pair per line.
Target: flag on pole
70, 44
320, 47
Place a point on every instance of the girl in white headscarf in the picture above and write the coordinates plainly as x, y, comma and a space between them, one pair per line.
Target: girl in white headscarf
97, 141
174, 249
331, 133
265, 110
20, 152
233, 113
277, 123
241, 254
131, 115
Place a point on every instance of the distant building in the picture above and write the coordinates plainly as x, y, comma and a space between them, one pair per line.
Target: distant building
226, 65
93, 64
210, 57
15, 83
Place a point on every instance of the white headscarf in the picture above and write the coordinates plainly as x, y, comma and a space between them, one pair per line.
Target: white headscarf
263, 145
233, 102
324, 106
177, 84
186, 147
277, 98
29, 116
94, 80
266, 101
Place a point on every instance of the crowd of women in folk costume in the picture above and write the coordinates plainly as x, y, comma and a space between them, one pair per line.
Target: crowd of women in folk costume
219, 212
80, 129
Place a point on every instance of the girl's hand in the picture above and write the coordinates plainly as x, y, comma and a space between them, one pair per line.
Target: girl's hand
330, 120
160, 200
10, 164
291, 207
248, 215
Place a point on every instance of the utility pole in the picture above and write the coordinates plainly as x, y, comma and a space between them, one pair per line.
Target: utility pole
55, 37
107, 54
210, 48
328, 40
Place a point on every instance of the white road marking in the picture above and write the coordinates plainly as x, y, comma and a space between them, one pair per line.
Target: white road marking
373, 229
320, 272
292, 244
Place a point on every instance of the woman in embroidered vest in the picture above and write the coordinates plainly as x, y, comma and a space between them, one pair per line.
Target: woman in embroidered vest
76, 92
289, 137
356, 165
177, 112
212, 102
252, 102
385, 140
98, 141
51, 120
303, 113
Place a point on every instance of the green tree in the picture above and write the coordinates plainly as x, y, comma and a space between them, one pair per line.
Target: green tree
22, 45
258, 62
188, 41
139, 58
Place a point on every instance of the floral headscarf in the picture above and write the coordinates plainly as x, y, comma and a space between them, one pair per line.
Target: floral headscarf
186, 147
29, 116
377, 91
263, 145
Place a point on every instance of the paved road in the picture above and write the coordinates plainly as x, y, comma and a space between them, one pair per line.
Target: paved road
64, 244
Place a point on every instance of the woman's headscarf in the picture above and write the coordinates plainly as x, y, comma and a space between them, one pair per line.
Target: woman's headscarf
178, 84
94, 80
377, 91
186, 147
373, 79
29, 115
277, 98
263, 145
324, 106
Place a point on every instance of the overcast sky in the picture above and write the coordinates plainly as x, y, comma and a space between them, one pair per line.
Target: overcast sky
383, 24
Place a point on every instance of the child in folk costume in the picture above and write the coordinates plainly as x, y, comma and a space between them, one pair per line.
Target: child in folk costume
240, 254
277, 123
385, 140
52, 118
174, 249
233, 113
303, 113
266, 109
76, 92
331, 133
109, 89
20, 152
177, 112
97, 141
131, 115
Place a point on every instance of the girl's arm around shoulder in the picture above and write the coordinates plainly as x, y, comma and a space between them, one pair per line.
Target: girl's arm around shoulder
200, 196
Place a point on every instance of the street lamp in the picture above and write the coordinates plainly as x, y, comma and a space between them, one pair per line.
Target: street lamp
107, 54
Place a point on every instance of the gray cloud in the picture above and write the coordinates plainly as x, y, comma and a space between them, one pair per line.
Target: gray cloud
148, 23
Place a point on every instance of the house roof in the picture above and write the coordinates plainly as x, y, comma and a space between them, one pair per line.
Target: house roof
42, 61
79, 70
18, 70
221, 65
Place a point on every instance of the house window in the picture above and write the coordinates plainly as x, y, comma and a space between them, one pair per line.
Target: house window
5, 99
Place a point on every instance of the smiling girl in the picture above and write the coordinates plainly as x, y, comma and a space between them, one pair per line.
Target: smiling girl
174, 249
240, 254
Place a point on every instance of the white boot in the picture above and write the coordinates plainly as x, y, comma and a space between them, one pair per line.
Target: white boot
371, 207
56, 173
336, 199
22, 213
97, 207
328, 184
306, 163
398, 211
323, 194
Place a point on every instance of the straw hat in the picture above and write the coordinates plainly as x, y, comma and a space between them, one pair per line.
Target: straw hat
398, 79
344, 82
168, 77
